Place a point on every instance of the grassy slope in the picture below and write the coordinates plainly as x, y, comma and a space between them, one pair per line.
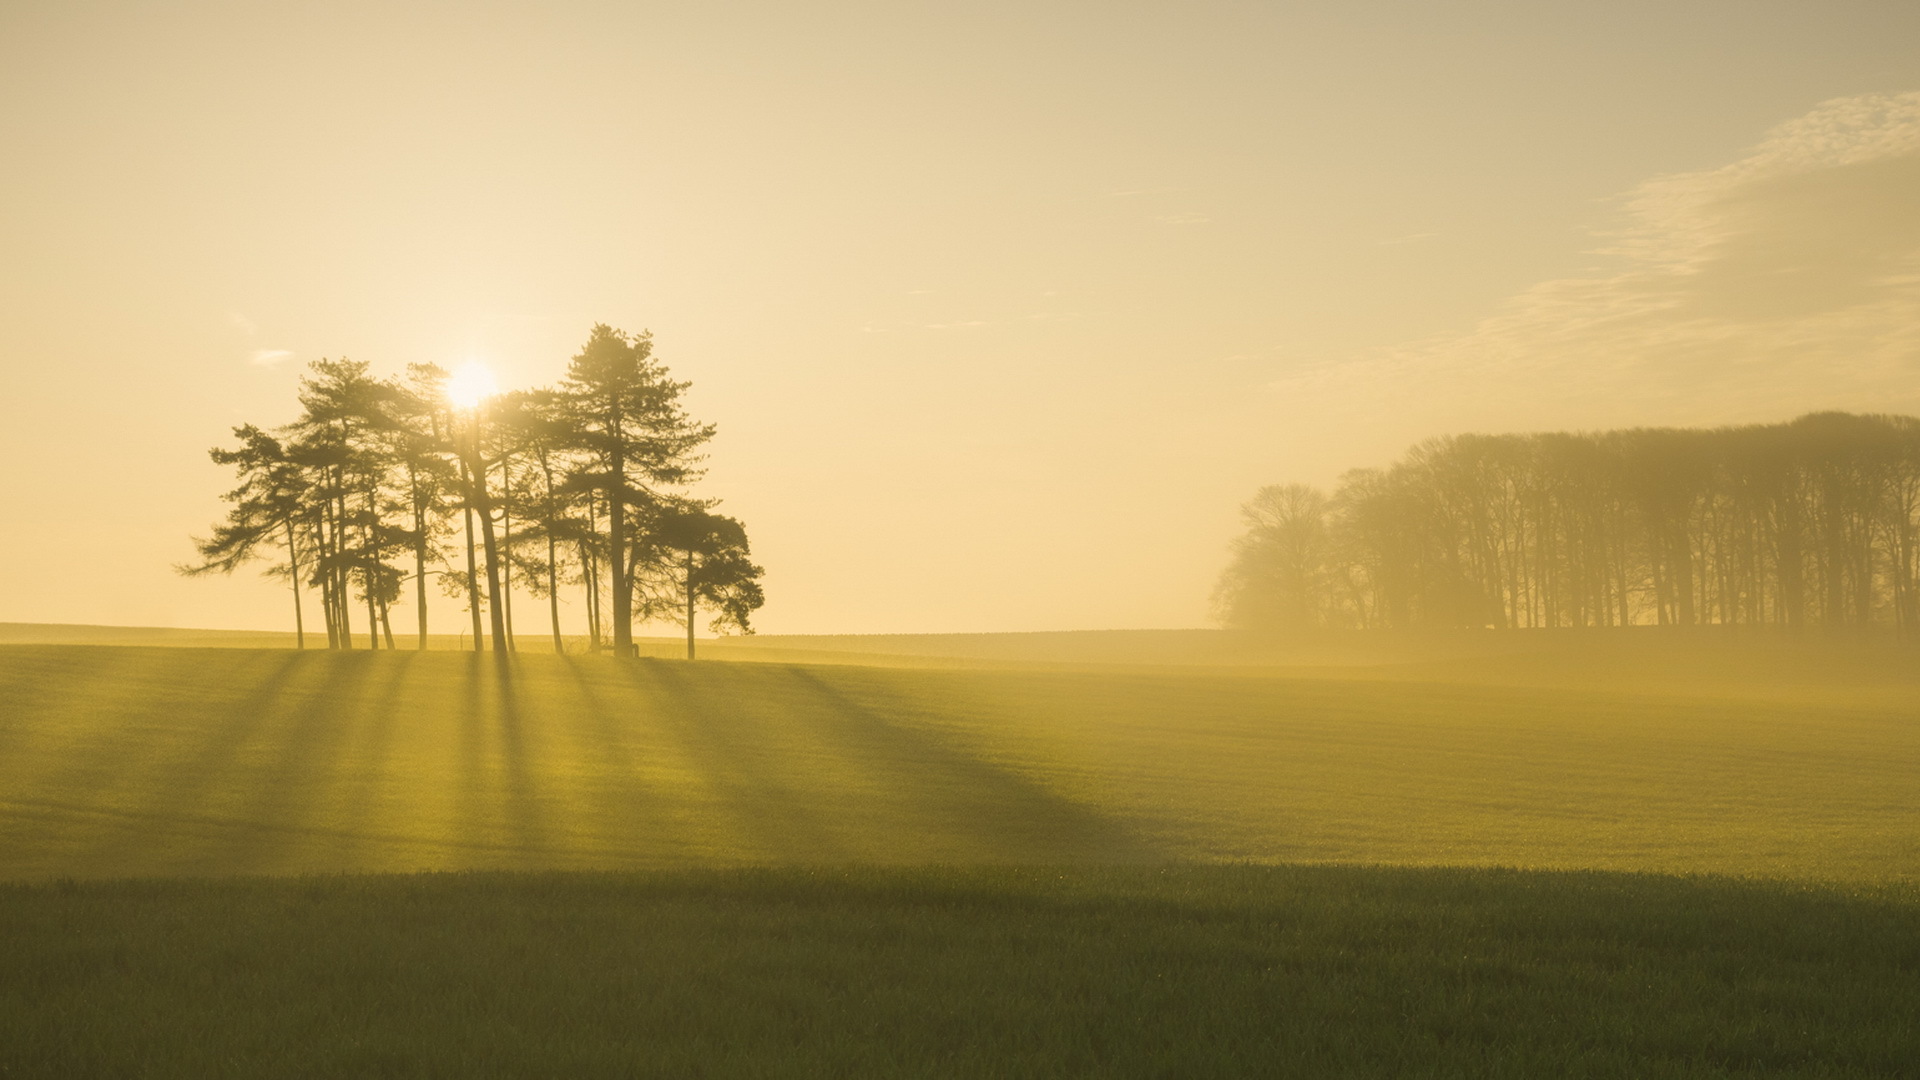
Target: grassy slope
167, 761
1634, 752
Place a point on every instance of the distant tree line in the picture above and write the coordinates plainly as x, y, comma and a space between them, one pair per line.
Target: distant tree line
1810, 523
383, 485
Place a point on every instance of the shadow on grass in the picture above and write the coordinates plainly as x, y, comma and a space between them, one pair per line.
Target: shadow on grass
174, 786
526, 820
774, 809
939, 801
638, 817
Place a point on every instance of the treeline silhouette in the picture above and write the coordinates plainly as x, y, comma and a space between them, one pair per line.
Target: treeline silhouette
1812, 522
385, 483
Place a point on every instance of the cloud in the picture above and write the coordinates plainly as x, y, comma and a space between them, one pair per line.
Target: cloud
242, 323
1785, 281
1185, 219
269, 357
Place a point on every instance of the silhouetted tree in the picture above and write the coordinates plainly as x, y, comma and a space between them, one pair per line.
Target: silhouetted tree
591, 475
267, 512
692, 558
623, 415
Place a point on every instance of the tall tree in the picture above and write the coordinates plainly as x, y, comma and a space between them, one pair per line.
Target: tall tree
470, 441
624, 417
267, 510
420, 444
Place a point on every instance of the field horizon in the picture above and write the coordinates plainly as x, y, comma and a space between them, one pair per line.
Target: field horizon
1635, 854
1746, 754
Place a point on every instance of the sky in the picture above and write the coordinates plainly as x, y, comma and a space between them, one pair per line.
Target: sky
1001, 310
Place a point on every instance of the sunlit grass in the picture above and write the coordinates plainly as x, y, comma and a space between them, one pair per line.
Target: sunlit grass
128, 761
734, 869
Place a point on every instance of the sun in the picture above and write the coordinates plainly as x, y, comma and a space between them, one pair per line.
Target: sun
471, 384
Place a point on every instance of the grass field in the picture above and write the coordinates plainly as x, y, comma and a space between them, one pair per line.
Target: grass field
1219, 971
730, 868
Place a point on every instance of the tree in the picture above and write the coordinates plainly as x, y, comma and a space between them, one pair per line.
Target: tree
623, 416
701, 559
375, 473
266, 512
534, 423
341, 440
419, 445
1277, 579
1814, 522
469, 446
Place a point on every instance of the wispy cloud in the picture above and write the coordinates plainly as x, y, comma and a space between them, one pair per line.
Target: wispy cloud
269, 357
1185, 219
955, 325
1786, 280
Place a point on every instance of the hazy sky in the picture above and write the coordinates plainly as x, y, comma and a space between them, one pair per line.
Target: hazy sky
1002, 311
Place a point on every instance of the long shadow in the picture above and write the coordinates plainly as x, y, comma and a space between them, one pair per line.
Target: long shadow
307, 764
31, 675
959, 792
175, 783
624, 798
958, 805
778, 817
363, 788
525, 817
40, 678
470, 791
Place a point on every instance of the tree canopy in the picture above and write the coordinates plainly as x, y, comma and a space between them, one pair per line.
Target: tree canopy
1814, 522
588, 484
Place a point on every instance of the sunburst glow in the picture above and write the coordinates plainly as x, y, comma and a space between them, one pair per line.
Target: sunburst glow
471, 384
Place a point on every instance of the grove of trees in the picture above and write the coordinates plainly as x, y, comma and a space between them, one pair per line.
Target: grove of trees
385, 487
1810, 523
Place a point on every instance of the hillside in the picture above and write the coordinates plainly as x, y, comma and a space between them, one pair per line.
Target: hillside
130, 760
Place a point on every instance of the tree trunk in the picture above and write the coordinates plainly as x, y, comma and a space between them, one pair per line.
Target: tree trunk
553, 557
372, 561
344, 586
496, 617
483, 506
473, 573
622, 592
590, 577
690, 593
293, 574
506, 568
419, 557
617, 537
553, 591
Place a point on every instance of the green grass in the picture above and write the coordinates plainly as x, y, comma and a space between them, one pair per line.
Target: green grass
1720, 836
1217, 971
147, 761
